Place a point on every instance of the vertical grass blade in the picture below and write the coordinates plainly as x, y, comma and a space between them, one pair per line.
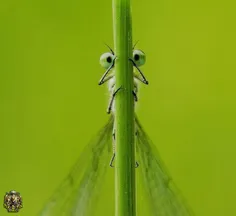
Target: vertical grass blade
124, 110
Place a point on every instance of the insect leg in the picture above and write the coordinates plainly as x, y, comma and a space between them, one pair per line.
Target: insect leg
136, 163
114, 154
113, 145
144, 79
103, 80
112, 160
107, 78
135, 96
111, 101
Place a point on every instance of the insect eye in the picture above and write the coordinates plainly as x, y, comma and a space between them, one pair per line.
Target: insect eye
139, 57
106, 60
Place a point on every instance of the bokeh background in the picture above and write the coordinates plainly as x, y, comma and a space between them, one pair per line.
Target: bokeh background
51, 105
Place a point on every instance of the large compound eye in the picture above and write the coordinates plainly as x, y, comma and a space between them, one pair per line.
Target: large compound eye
139, 57
106, 60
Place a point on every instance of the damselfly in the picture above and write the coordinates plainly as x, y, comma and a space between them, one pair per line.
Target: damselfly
77, 193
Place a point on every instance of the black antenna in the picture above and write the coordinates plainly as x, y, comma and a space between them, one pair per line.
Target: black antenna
135, 44
112, 52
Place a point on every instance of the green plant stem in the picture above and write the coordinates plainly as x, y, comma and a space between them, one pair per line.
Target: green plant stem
124, 111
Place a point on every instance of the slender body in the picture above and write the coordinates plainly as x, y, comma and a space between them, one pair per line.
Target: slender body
107, 60
113, 91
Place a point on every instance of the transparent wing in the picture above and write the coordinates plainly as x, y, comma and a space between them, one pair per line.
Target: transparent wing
76, 196
164, 197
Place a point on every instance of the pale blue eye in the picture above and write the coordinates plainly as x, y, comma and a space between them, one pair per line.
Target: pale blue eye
139, 57
106, 60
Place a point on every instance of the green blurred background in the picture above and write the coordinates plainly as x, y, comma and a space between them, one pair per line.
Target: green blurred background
51, 105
